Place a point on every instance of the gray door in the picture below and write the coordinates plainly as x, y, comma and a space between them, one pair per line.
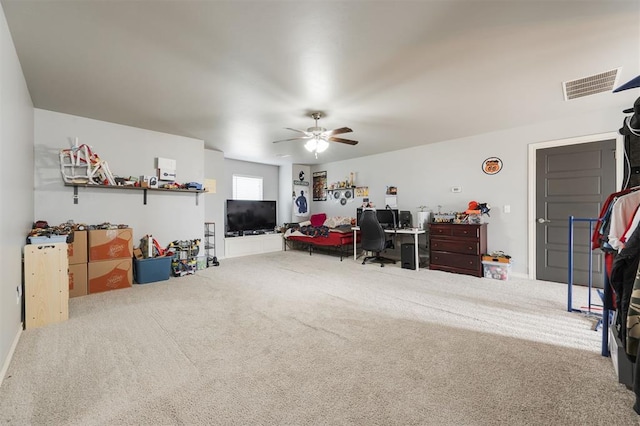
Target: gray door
572, 180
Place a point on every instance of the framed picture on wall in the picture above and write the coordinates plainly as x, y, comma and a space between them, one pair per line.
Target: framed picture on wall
320, 186
492, 165
362, 191
300, 201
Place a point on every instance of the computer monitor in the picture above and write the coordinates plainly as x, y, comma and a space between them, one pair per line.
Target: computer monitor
388, 218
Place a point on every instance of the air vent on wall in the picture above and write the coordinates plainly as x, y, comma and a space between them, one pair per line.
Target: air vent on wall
599, 83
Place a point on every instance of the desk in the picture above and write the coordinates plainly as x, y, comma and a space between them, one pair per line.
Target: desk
410, 231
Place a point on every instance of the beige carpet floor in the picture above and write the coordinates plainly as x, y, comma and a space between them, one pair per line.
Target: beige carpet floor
292, 339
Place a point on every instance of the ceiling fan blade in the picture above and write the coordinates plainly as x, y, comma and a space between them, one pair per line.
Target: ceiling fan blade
299, 131
341, 140
337, 131
300, 138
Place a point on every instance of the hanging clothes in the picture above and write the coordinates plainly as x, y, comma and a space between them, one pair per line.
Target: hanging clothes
631, 226
600, 236
622, 278
622, 212
633, 336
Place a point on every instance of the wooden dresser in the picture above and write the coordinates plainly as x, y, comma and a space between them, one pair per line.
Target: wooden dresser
457, 247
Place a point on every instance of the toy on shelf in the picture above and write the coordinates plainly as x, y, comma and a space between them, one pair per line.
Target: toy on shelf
79, 164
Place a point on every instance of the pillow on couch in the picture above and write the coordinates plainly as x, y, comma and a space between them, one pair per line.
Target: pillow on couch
317, 220
335, 221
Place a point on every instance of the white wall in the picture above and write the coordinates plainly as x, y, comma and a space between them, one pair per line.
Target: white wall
285, 189
270, 182
16, 191
215, 202
129, 151
425, 175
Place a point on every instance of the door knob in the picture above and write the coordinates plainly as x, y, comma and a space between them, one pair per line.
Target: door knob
542, 220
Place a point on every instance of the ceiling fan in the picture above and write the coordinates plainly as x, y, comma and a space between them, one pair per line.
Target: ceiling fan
318, 138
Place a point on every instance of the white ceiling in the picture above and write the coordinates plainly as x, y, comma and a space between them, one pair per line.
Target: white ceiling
399, 73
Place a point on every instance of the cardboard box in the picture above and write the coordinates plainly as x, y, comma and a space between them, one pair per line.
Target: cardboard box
149, 181
110, 244
77, 250
137, 253
109, 275
152, 269
166, 174
78, 280
496, 270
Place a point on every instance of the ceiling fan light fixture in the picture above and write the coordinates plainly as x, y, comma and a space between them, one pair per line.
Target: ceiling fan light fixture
311, 145
317, 138
316, 145
322, 145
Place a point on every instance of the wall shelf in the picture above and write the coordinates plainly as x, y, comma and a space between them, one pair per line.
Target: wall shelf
130, 188
342, 195
348, 188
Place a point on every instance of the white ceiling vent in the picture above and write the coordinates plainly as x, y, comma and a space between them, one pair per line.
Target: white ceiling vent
599, 83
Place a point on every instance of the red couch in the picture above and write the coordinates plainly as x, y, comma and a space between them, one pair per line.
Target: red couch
339, 238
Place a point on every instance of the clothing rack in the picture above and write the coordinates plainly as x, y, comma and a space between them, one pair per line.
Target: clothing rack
604, 317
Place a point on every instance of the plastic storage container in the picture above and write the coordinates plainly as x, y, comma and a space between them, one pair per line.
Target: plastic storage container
496, 270
48, 240
201, 262
152, 269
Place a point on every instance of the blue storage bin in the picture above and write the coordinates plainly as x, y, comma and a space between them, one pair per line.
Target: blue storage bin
152, 269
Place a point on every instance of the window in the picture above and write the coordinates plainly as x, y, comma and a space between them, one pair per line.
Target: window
247, 187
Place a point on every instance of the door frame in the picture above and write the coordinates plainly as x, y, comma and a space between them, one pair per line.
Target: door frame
531, 191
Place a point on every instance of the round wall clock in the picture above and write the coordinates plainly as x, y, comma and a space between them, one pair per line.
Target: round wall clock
492, 165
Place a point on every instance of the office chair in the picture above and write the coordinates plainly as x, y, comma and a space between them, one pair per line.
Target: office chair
373, 238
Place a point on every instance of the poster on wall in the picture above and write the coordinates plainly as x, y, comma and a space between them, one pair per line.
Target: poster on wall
300, 201
320, 186
362, 191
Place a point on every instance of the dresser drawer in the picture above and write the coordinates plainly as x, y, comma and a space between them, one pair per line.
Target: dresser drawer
466, 231
455, 230
443, 230
455, 260
456, 246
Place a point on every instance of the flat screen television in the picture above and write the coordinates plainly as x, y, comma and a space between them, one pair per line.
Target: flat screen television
251, 215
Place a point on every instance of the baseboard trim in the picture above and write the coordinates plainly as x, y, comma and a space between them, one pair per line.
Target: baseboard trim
7, 361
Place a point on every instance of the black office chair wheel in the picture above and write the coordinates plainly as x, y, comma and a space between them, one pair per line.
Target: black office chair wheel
382, 265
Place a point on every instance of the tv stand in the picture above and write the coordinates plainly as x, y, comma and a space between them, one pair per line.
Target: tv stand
252, 244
